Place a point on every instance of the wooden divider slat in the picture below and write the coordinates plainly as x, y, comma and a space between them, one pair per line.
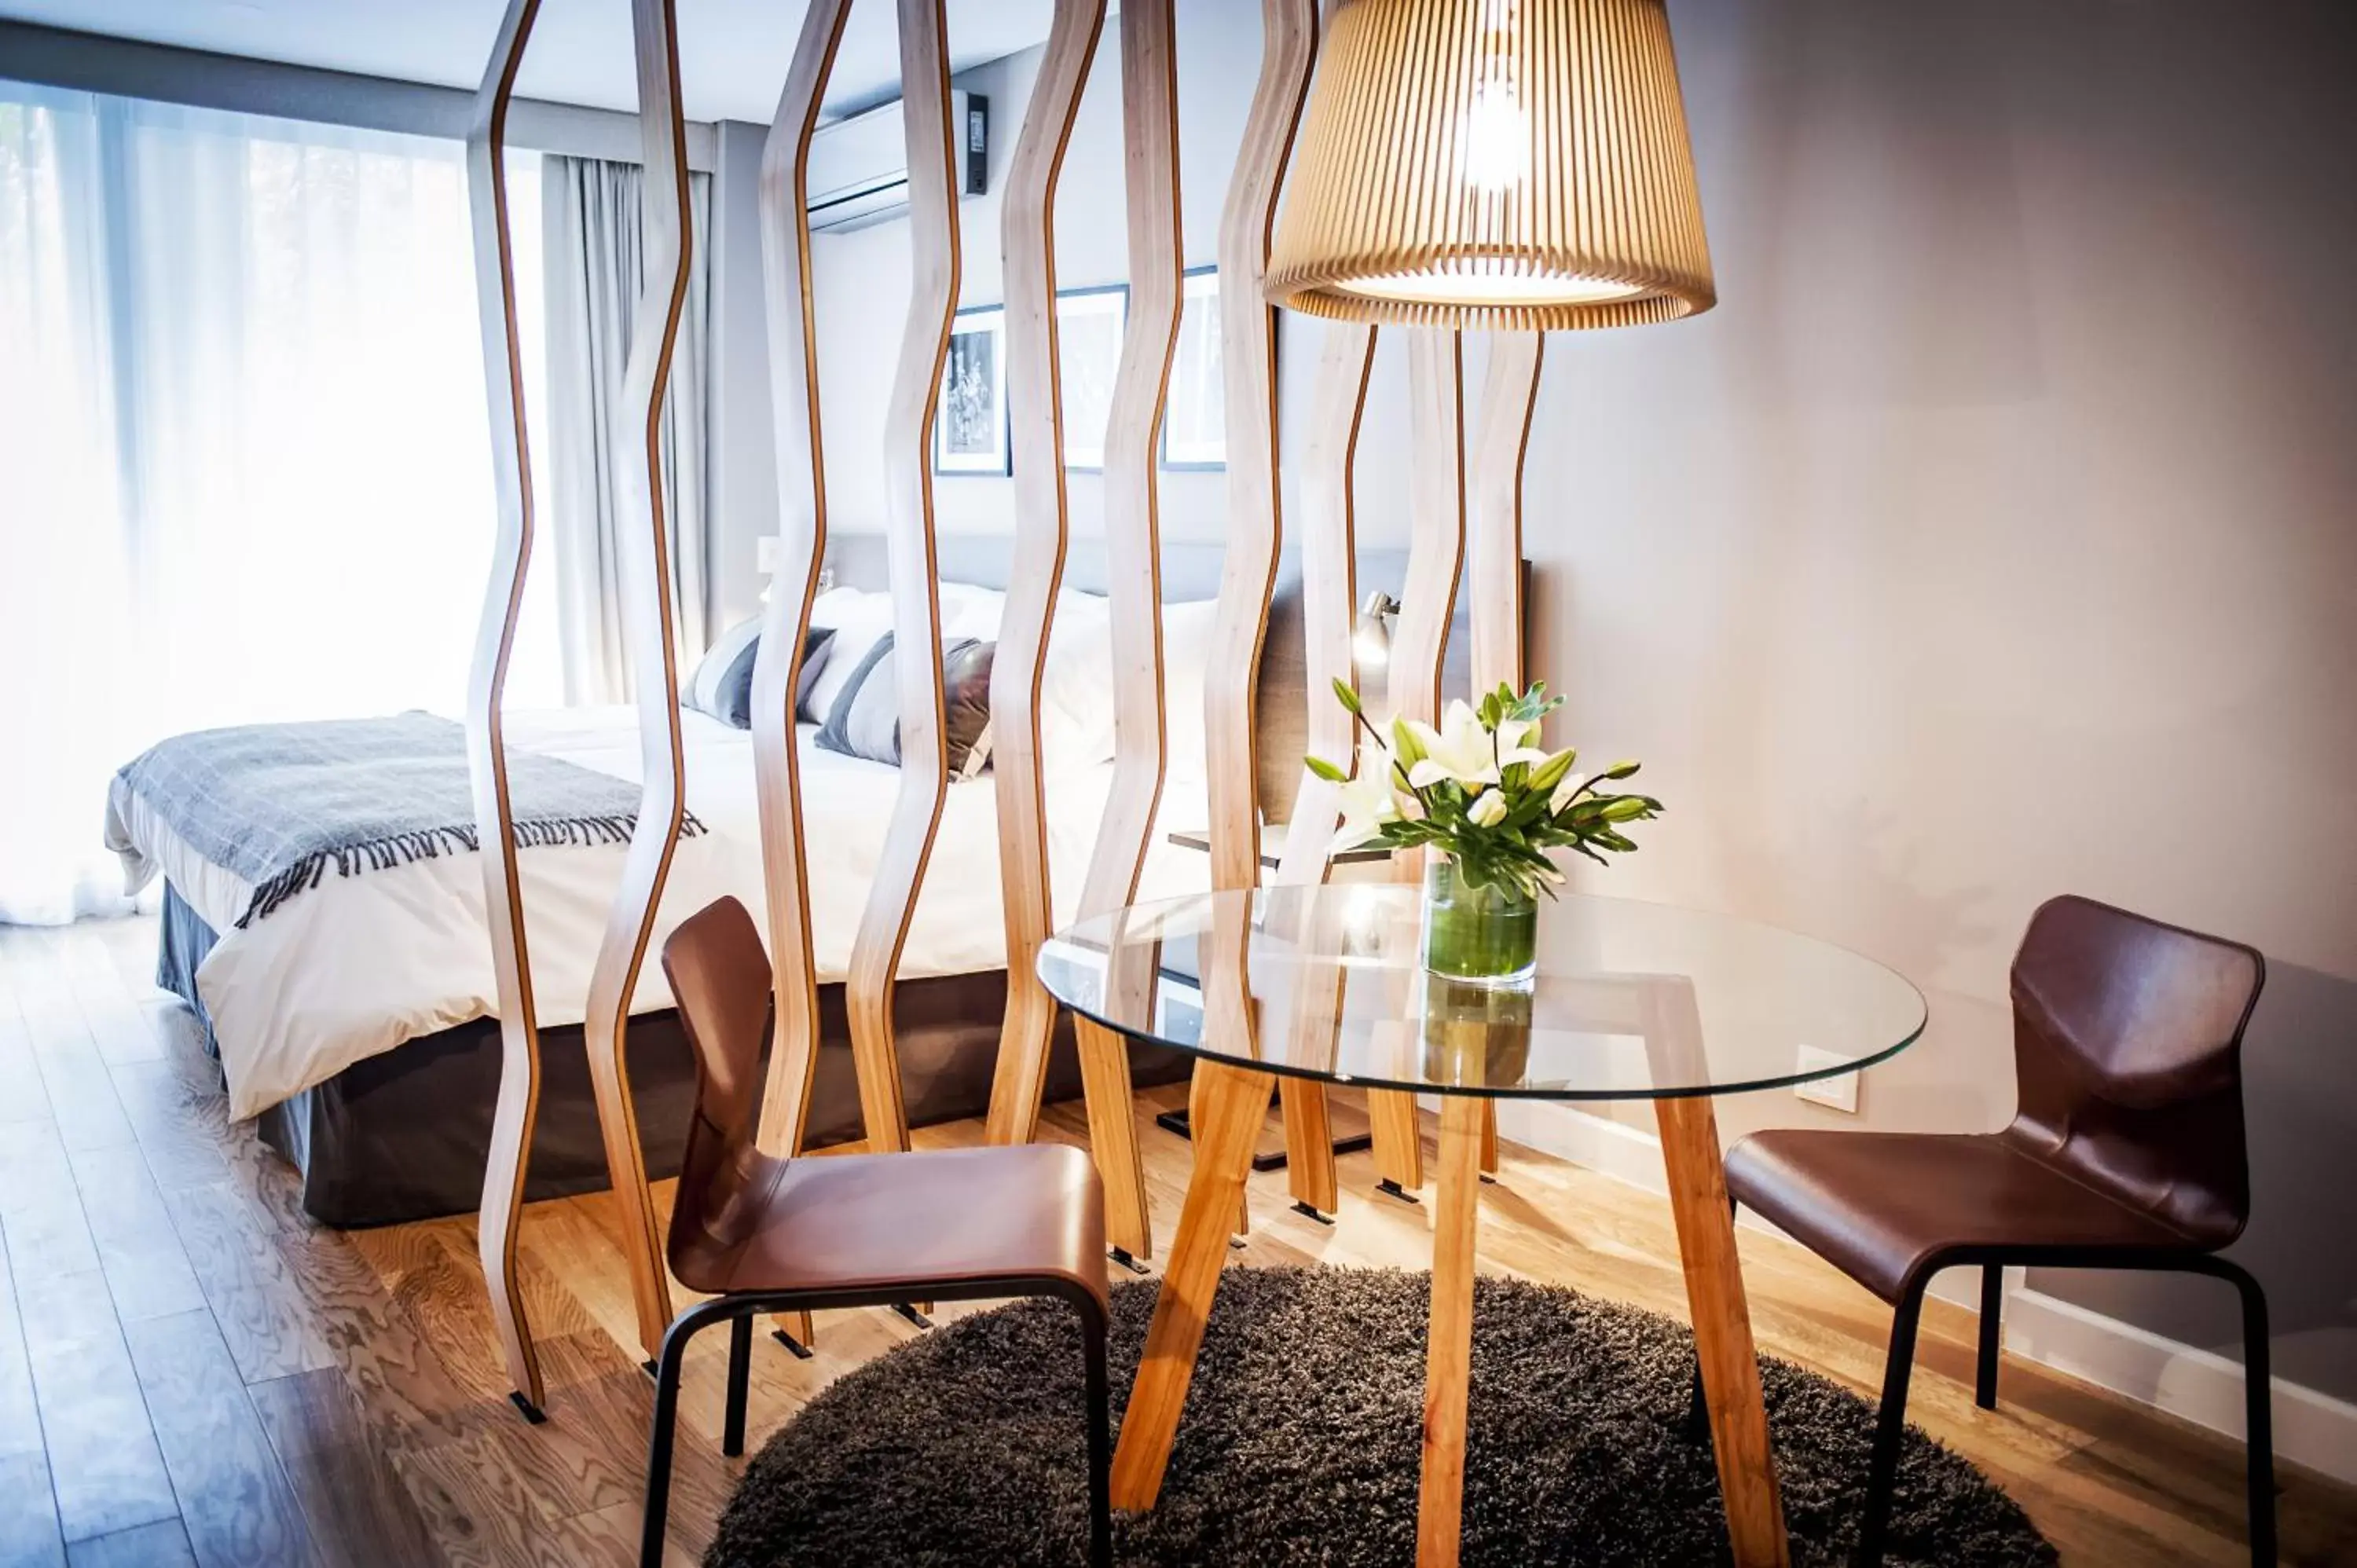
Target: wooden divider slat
1494, 563
785, 619
1328, 609
1035, 406
934, 269
1435, 556
1149, 84
1494, 567
646, 594
514, 1111
1248, 572
1329, 584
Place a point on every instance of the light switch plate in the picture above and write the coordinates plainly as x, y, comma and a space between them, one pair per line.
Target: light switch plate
765, 555
1835, 1093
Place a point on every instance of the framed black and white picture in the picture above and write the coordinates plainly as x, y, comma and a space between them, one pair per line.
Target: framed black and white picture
970, 433
1090, 323
1195, 418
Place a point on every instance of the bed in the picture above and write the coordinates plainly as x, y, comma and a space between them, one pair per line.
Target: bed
355, 1025
357, 1022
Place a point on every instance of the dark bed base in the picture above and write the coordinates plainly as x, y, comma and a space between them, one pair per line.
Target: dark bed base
403, 1135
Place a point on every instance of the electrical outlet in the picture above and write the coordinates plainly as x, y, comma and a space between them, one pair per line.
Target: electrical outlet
1835, 1093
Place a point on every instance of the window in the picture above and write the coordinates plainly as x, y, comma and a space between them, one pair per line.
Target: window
244, 458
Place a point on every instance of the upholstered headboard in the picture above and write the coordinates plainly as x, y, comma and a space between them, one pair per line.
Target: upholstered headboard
1191, 572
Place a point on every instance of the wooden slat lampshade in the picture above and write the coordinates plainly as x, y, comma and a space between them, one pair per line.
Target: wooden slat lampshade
1494, 164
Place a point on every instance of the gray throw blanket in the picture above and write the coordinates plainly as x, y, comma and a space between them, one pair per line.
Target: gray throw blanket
280, 803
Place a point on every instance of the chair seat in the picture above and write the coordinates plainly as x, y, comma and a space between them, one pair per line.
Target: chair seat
856, 1223
1878, 1206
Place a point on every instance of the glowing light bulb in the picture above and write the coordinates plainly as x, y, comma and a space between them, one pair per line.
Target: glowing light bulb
1496, 135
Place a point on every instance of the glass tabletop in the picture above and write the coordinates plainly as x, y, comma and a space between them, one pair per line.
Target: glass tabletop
1631, 1001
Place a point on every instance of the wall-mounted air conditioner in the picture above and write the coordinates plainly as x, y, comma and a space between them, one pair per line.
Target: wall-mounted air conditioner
859, 166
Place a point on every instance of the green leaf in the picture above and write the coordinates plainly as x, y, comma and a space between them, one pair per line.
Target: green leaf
1531, 809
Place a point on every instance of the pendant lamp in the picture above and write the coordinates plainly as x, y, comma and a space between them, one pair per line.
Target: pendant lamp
1510, 165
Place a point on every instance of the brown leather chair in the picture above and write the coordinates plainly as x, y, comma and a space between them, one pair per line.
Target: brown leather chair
2127, 1152
760, 1234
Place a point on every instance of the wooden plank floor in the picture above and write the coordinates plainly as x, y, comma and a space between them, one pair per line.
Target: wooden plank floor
191, 1371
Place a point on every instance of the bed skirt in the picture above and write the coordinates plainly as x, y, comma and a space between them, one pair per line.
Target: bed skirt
403, 1135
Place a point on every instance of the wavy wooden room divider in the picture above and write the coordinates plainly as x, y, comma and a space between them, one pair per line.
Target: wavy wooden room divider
916, 595
646, 593
1328, 532
1248, 572
1133, 552
513, 1113
1435, 556
1036, 446
785, 620
1328, 607
1329, 448
1494, 567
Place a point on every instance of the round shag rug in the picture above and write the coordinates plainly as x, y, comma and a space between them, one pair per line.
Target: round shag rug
1301, 1438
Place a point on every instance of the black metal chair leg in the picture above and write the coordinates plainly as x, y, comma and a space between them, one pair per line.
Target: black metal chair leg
666, 1425
1100, 1379
1992, 1334
740, 1367
2258, 1415
1890, 1429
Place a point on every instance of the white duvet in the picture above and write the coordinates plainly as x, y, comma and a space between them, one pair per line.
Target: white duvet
360, 964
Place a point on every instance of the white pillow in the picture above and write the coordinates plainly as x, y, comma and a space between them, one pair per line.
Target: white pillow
1076, 686
969, 611
1185, 655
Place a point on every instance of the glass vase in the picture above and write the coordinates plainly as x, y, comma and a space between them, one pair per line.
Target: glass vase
1481, 936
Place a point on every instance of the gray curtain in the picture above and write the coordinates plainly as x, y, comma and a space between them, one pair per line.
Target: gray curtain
596, 266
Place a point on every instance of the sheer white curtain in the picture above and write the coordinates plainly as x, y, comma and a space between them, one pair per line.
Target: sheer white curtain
594, 244
244, 460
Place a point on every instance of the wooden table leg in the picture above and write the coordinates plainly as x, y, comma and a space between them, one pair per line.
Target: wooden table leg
1399, 1145
1112, 1137
1448, 1338
1229, 1106
1722, 1325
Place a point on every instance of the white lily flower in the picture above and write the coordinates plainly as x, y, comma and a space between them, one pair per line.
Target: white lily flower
1513, 738
1460, 752
1488, 811
1565, 792
1367, 801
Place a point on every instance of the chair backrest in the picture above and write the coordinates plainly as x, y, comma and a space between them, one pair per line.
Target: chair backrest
720, 979
2127, 1045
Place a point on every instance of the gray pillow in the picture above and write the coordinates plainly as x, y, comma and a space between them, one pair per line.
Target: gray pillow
723, 682
867, 717
865, 722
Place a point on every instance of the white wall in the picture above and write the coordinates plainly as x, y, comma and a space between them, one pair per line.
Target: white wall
1996, 537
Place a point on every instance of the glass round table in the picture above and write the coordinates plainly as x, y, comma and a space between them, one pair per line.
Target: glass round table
1630, 1001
